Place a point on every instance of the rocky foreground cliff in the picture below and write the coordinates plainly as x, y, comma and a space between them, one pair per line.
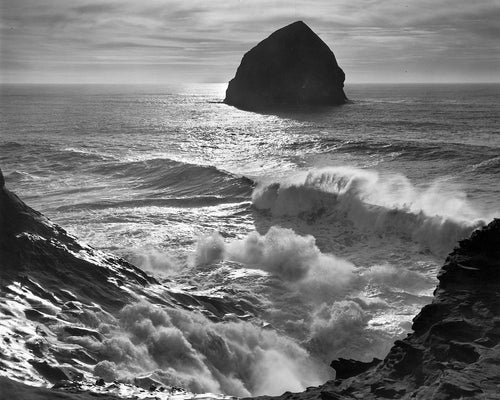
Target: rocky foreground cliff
48, 334
454, 350
55, 295
293, 67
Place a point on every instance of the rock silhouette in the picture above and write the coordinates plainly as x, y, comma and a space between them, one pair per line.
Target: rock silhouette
292, 67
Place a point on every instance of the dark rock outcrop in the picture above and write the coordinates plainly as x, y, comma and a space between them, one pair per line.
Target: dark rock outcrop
454, 350
346, 368
12, 390
292, 67
45, 258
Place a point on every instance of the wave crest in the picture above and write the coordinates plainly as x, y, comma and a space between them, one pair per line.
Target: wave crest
436, 216
280, 252
178, 178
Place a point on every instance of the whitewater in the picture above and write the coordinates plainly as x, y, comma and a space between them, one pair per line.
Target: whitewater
289, 239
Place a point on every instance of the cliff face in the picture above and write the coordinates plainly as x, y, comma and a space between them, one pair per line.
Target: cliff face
454, 351
33, 249
62, 320
292, 67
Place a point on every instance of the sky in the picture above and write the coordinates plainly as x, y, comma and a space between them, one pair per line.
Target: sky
169, 41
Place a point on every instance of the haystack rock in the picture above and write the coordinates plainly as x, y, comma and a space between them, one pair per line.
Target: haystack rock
292, 67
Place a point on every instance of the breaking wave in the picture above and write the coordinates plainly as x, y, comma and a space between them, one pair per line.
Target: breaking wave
280, 252
184, 348
436, 216
491, 165
313, 287
21, 176
177, 202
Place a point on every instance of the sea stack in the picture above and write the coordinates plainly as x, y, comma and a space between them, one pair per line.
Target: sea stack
292, 67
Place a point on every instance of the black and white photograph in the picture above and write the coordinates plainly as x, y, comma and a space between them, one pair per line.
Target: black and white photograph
222, 200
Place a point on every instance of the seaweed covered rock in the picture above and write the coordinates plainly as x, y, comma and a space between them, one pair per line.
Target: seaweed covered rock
292, 67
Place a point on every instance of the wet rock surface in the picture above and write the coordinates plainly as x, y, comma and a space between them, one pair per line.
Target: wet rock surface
453, 352
346, 368
60, 300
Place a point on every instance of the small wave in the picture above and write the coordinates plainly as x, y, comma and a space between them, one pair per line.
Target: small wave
20, 176
177, 202
491, 165
89, 154
10, 146
179, 178
436, 217
70, 159
414, 150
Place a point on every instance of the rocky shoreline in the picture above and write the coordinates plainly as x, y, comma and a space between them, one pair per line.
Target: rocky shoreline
453, 352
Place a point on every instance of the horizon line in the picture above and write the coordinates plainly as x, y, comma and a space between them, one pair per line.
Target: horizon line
225, 83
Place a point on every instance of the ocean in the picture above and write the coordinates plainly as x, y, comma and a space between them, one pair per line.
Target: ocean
325, 228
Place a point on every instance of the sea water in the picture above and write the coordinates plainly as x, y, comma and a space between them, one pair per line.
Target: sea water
327, 226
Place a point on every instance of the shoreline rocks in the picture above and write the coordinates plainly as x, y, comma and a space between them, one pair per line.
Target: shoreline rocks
453, 351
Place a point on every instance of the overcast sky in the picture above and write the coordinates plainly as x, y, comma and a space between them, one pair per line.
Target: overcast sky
153, 41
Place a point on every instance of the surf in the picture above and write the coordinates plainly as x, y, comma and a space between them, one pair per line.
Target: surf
435, 216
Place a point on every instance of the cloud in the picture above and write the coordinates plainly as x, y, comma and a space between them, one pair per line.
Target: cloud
373, 40
96, 8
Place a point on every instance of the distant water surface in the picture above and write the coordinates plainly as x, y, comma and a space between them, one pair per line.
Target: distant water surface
332, 222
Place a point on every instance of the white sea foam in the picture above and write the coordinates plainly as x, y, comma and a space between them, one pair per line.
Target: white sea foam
399, 278
436, 216
281, 252
186, 349
155, 260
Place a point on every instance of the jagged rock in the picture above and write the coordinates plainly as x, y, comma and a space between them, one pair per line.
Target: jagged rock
69, 355
38, 316
12, 390
38, 346
33, 249
292, 67
100, 382
79, 331
56, 374
69, 386
346, 368
146, 382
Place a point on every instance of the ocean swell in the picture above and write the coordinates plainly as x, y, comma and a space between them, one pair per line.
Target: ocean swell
435, 217
177, 178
